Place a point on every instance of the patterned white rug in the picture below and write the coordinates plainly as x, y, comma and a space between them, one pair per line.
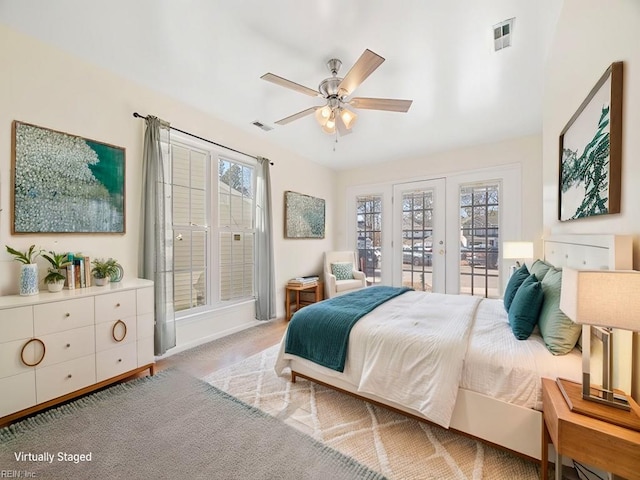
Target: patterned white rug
392, 444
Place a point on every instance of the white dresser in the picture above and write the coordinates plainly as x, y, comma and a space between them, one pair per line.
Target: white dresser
56, 346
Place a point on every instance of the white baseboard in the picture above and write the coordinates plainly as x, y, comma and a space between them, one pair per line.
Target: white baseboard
209, 338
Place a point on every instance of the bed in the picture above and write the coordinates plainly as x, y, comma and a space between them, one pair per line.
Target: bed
485, 383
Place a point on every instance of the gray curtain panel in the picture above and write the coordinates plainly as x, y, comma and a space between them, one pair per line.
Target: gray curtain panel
156, 250
265, 265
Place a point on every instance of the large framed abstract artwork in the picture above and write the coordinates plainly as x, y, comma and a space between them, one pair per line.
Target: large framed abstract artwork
304, 216
63, 183
591, 152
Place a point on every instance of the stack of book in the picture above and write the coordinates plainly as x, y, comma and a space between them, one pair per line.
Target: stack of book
78, 271
310, 281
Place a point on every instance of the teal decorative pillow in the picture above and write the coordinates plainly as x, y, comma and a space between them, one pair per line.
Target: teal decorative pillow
524, 310
560, 334
519, 276
540, 268
342, 270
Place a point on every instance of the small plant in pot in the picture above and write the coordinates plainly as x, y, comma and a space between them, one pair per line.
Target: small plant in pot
103, 270
28, 269
55, 278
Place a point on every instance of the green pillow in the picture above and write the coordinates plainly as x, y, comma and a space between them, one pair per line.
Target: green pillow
540, 268
524, 310
342, 270
519, 276
560, 334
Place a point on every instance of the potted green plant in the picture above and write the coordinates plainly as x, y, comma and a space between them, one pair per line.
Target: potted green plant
55, 278
28, 269
103, 270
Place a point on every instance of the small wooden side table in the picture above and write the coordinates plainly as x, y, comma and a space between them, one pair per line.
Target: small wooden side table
299, 303
595, 442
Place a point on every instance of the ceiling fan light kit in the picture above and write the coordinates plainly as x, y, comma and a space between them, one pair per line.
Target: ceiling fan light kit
334, 116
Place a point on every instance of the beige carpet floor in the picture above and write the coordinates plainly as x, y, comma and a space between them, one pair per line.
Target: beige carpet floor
392, 444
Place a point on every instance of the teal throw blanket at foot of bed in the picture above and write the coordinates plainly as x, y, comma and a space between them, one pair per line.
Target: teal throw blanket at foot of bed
320, 331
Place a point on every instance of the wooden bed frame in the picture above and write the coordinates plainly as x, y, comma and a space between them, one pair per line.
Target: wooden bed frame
514, 428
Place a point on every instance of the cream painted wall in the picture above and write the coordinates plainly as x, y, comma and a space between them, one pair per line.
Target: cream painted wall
44, 86
526, 151
591, 35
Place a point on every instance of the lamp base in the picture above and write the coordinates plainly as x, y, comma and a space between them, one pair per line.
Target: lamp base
600, 408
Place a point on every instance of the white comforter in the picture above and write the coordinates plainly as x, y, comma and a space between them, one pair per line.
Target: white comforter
428, 350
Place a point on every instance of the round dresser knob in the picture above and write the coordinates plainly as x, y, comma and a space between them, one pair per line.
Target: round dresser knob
68, 345
119, 360
67, 314
69, 376
117, 304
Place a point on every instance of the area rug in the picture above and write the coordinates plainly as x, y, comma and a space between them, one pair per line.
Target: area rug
169, 426
397, 446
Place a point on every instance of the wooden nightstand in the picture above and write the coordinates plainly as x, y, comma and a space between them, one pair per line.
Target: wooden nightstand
595, 442
316, 289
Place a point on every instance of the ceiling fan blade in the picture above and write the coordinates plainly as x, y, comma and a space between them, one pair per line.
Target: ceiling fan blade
364, 67
296, 116
388, 104
283, 82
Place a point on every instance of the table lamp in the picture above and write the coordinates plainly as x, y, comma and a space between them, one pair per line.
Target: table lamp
602, 299
517, 251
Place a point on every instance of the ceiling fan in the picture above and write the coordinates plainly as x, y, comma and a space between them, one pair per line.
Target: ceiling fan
335, 115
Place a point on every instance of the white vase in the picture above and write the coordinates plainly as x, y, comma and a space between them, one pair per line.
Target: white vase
29, 279
100, 282
55, 286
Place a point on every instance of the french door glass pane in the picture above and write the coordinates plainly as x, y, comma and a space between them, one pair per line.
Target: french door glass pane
480, 239
369, 235
417, 239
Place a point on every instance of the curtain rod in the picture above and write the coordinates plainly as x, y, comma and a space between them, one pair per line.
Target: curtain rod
137, 115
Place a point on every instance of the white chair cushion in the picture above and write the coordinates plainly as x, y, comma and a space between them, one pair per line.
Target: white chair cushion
351, 284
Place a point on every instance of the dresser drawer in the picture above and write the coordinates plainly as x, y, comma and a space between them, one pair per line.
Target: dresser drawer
145, 351
67, 345
114, 333
145, 301
115, 306
16, 323
19, 356
22, 390
58, 316
113, 362
62, 378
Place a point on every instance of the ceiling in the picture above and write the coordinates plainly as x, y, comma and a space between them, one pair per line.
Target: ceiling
211, 54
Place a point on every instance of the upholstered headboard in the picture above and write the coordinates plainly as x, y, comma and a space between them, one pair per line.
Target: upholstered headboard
590, 252
602, 252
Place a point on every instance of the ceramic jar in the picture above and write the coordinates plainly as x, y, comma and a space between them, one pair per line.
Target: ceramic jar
29, 279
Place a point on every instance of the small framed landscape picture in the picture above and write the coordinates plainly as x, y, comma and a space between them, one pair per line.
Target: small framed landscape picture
591, 152
63, 183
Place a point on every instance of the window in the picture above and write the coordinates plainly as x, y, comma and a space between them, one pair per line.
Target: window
236, 229
417, 239
369, 235
213, 226
480, 239
189, 173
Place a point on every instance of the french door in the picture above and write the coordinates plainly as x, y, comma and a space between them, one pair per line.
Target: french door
419, 235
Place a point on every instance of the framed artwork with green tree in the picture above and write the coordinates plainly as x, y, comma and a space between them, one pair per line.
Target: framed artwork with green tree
591, 152
64, 183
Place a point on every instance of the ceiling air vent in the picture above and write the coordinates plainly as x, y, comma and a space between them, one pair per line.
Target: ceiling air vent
262, 126
502, 34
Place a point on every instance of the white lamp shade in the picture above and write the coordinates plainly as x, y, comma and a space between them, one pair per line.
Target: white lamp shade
330, 126
608, 298
348, 117
517, 250
323, 114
